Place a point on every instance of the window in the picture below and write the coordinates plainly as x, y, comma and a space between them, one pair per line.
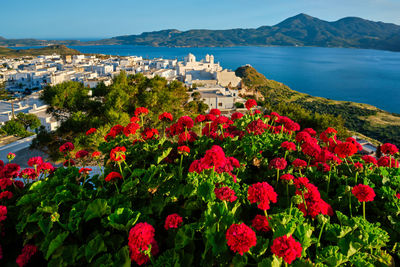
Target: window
220, 104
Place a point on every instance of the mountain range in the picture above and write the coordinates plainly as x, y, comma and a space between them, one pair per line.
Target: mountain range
300, 30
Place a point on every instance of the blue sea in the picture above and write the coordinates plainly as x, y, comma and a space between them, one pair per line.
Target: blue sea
359, 75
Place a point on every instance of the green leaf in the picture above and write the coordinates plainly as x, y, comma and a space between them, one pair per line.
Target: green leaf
97, 209
123, 219
164, 155
122, 258
206, 191
56, 243
45, 225
94, 247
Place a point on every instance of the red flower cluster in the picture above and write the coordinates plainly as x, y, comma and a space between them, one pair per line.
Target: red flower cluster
256, 127
118, 154
173, 221
35, 161
287, 248
91, 131
166, 116
215, 112
96, 154
328, 135
112, 176
250, 103
389, 149
141, 238
278, 163
85, 171
299, 163
6, 195
149, 133
287, 177
215, 159
236, 116
225, 194
29, 173
363, 193
67, 147
200, 118
141, 110
27, 252
388, 162
81, 154
183, 150
131, 128
346, 149
369, 159
260, 223
263, 194
289, 146
114, 131
240, 238
315, 204
3, 213
10, 170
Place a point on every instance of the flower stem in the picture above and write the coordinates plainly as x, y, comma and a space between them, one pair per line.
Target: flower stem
120, 169
277, 179
116, 187
351, 213
364, 210
287, 193
266, 214
226, 205
329, 181
320, 234
180, 167
304, 200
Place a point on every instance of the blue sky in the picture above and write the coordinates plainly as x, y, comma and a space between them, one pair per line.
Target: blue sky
101, 18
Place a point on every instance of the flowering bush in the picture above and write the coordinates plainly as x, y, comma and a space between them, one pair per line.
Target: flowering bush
246, 190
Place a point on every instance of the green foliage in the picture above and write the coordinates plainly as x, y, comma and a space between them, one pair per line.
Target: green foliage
15, 127
29, 120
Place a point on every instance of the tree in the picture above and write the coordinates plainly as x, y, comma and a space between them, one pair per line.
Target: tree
29, 120
4, 94
14, 127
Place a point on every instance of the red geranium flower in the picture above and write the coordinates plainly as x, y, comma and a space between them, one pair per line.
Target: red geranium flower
149, 133
113, 176
5, 182
166, 116
134, 119
289, 146
11, 170
96, 154
141, 110
173, 221
240, 238
6, 194
299, 163
250, 103
3, 213
225, 194
141, 237
263, 194
369, 159
118, 153
236, 116
85, 171
287, 177
388, 162
287, 248
67, 147
200, 118
91, 131
131, 128
345, 149
183, 150
215, 112
278, 163
185, 122
27, 252
363, 193
81, 154
35, 161
260, 223
389, 149
328, 135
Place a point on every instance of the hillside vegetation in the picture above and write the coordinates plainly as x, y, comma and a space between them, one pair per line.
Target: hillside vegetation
48, 50
363, 118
